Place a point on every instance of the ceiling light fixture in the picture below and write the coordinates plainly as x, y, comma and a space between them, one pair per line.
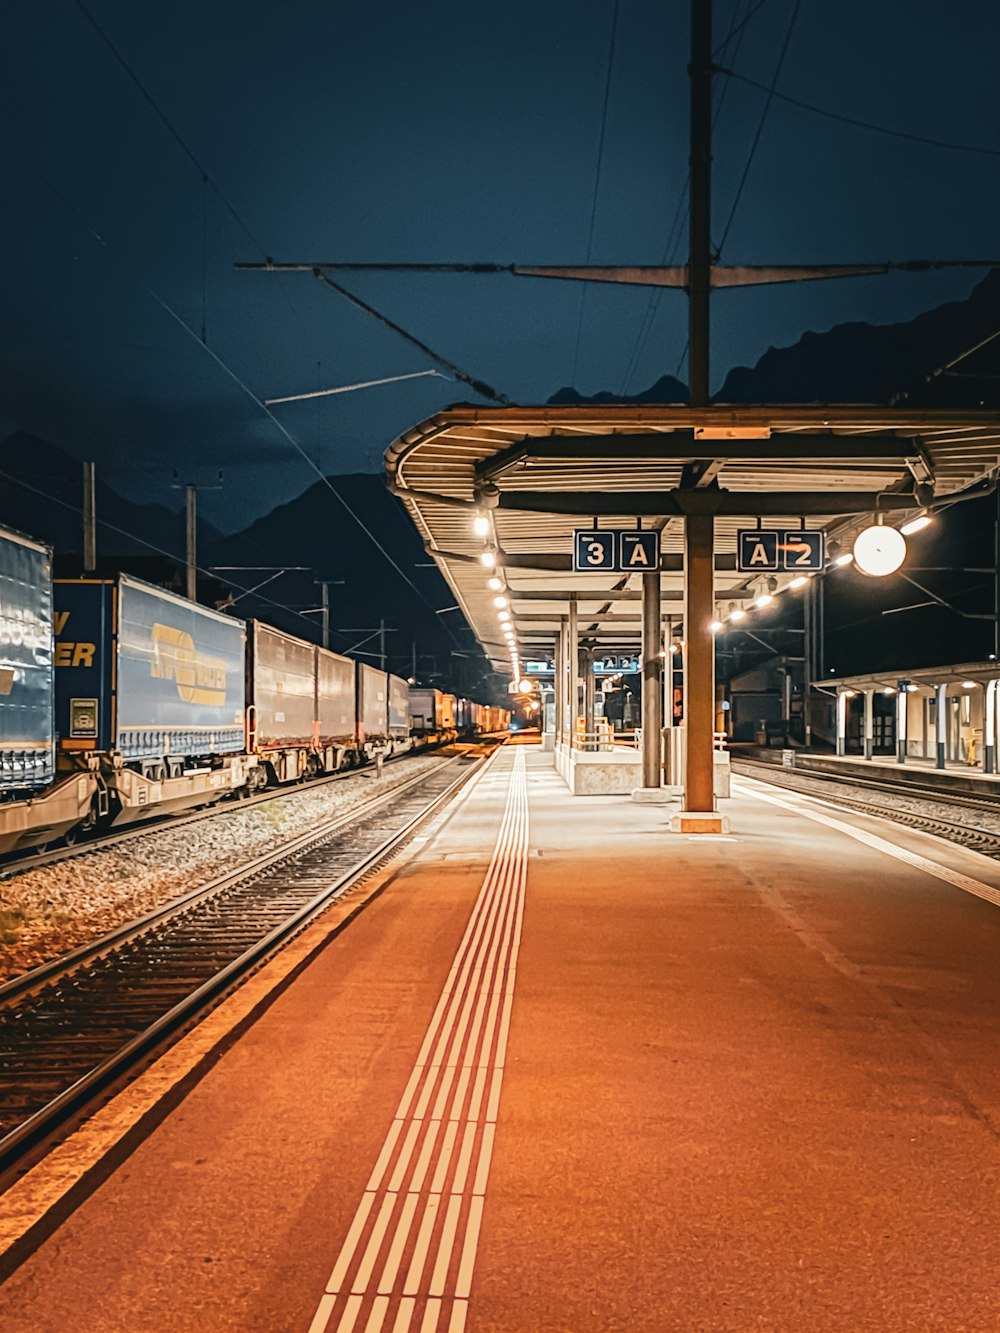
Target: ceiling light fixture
916, 525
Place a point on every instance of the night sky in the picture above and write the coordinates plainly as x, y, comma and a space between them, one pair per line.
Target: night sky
441, 132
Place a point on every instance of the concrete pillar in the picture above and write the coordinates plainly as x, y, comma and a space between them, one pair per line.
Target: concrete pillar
668, 675
902, 690
558, 684
651, 742
990, 728
589, 692
841, 722
869, 723
699, 814
573, 671
940, 725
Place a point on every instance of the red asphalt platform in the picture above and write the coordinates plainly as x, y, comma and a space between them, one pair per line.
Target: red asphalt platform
570, 1071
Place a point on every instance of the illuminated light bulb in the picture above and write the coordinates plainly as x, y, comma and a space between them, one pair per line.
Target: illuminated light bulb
494, 584
916, 524
488, 558
500, 601
504, 617
737, 614
799, 581
765, 599
879, 550
849, 694
675, 647
715, 626
524, 686
481, 525
968, 684
889, 689
844, 558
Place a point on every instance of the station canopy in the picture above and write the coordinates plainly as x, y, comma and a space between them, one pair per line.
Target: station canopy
537, 474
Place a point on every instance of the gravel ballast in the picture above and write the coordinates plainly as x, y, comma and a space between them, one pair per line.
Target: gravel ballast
52, 909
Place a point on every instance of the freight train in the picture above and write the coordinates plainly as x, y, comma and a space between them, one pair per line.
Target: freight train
119, 700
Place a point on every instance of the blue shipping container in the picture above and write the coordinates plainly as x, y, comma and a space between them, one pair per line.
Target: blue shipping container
146, 673
27, 749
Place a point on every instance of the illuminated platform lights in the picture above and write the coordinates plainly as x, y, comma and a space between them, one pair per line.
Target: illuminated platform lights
879, 550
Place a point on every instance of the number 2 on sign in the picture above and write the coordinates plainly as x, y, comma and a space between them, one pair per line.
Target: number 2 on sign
803, 552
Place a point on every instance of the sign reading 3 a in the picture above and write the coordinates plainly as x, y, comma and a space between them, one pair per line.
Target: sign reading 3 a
615, 552
797, 549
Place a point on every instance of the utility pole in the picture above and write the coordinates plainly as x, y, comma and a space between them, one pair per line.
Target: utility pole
191, 545
89, 518
191, 533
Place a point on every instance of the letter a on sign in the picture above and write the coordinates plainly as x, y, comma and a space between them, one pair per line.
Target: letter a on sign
640, 551
758, 550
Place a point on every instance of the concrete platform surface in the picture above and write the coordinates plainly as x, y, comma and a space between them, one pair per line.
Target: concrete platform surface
574, 1072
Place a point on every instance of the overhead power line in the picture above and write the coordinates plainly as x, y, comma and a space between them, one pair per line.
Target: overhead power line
760, 127
480, 386
241, 384
597, 179
857, 122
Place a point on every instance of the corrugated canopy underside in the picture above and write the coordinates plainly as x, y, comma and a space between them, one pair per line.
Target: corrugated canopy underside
754, 463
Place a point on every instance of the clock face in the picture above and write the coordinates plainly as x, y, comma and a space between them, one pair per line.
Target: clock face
879, 551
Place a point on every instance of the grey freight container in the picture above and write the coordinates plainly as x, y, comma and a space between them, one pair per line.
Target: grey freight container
425, 711
282, 688
336, 698
27, 740
399, 708
372, 704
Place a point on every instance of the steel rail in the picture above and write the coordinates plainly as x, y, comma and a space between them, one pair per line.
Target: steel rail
13, 863
825, 786
75, 1098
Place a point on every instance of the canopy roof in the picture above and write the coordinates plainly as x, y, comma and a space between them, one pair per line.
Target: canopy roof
538, 473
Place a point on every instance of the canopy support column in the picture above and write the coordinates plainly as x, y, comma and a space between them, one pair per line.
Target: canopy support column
941, 725
841, 723
869, 723
699, 814
990, 728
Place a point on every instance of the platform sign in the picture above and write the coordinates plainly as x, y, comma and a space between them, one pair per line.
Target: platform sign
613, 552
594, 551
638, 552
798, 550
803, 551
757, 550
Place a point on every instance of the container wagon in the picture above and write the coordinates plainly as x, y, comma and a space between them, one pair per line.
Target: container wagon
150, 695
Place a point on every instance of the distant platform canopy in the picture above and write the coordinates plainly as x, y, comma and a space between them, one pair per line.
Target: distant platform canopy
531, 476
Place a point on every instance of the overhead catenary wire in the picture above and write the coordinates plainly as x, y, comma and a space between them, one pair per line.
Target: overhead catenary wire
845, 119
760, 127
242, 385
597, 180
736, 27
150, 546
480, 386
167, 123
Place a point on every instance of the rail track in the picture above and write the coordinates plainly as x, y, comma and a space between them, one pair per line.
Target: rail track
921, 807
15, 863
73, 1028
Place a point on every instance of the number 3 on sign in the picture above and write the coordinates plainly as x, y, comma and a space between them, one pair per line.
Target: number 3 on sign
596, 554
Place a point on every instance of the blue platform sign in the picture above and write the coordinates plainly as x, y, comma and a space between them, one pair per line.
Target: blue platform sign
757, 550
638, 552
802, 551
797, 550
594, 551
614, 552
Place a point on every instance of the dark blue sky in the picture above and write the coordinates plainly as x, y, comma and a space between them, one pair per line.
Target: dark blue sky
443, 131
